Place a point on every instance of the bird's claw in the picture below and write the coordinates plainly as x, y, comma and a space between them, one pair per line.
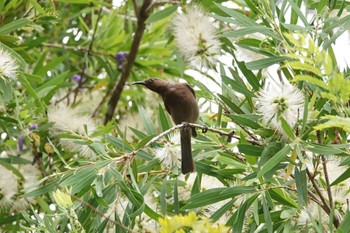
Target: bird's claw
204, 129
230, 135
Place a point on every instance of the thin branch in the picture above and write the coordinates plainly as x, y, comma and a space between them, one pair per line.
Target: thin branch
161, 3
88, 205
113, 101
324, 204
229, 135
318, 191
324, 164
101, 214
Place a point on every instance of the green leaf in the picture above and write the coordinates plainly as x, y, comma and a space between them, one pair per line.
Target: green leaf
237, 86
249, 75
239, 17
287, 129
151, 213
321, 149
297, 11
250, 149
147, 122
42, 190
30, 90
241, 213
164, 123
11, 168
263, 63
95, 2
162, 196
176, 198
227, 158
144, 141
211, 196
282, 197
161, 14
37, 7
297, 65
83, 177
251, 30
220, 212
335, 36
345, 175
267, 215
14, 25
345, 224
274, 161
335, 122
230, 104
301, 183
312, 80
47, 89
245, 120
294, 15
52, 64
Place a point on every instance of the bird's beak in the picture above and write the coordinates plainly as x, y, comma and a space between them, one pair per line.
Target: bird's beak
138, 83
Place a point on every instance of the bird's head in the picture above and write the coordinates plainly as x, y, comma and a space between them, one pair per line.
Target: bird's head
154, 84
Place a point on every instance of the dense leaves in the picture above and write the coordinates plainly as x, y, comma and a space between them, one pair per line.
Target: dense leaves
277, 82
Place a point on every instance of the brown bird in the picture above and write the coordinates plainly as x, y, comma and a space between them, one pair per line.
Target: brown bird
180, 102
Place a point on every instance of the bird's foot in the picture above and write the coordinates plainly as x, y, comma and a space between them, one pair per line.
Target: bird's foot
230, 135
185, 125
204, 129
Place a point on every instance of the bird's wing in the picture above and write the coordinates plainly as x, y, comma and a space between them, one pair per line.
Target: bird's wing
166, 106
191, 89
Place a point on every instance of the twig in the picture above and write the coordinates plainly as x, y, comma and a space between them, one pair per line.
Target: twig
130, 156
324, 164
100, 213
324, 204
113, 101
88, 205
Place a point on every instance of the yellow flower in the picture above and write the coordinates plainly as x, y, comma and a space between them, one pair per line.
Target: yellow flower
62, 199
177, 223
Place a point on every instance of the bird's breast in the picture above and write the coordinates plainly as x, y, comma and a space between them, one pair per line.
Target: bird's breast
181, 104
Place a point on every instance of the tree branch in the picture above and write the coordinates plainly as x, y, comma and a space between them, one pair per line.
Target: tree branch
141, 19
229, 135
324, 164
324, 204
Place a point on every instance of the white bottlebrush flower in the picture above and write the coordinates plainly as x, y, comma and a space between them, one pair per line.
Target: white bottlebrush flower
66, 119
11, 186
277, 100
195, 37
313, 213
8, 65
8, 188
170, 154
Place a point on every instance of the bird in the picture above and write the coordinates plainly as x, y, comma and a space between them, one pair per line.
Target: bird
180, 102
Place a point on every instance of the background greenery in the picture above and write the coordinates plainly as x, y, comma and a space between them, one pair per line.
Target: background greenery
258, 182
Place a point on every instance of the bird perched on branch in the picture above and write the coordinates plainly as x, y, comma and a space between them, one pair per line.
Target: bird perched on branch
180, 102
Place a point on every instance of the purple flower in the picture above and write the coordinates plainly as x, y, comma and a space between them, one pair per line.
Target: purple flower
77, 78
121, 58
20, 142
33, 126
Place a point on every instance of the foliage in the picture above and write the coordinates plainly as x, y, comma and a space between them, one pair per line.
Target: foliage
63, 170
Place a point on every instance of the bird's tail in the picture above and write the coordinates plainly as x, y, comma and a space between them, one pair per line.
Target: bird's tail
187, 164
